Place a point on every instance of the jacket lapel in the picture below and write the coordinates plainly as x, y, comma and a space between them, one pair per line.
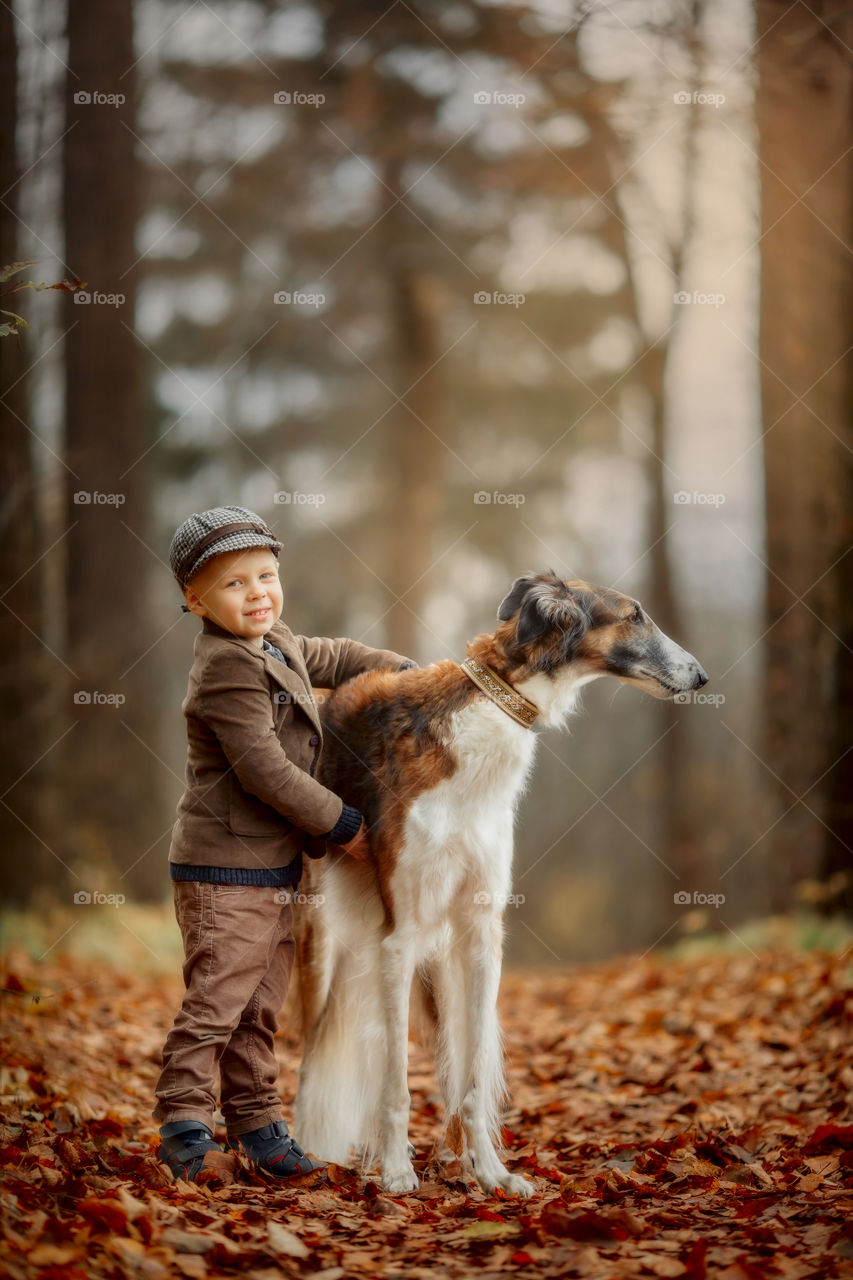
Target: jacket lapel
294, 678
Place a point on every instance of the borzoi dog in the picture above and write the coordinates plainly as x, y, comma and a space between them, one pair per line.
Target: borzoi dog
436, 759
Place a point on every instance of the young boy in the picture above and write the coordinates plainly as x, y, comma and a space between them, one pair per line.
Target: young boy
251, 801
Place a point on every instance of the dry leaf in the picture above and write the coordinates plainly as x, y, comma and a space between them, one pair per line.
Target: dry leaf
666, 1135
284, 1241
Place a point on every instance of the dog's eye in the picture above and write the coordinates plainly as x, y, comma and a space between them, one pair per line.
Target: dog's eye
637, 615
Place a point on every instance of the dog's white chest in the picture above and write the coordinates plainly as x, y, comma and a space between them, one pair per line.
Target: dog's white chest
458, 835
493, 756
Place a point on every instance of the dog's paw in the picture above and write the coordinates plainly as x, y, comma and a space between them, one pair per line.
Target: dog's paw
400, 1182
512, 1183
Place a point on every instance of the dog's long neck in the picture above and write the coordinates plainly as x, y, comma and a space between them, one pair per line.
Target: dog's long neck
487, 650
555, 693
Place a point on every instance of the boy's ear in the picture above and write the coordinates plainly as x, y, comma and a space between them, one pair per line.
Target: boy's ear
194, 603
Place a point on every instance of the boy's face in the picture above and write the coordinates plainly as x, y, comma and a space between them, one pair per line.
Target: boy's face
239, 591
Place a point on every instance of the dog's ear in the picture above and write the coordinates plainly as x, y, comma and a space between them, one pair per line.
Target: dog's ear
511, 602
532, 622
538, 583
543, 603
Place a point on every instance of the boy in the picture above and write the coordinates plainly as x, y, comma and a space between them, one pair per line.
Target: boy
251, 801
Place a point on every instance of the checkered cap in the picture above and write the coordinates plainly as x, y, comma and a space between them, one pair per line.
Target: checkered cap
208, 533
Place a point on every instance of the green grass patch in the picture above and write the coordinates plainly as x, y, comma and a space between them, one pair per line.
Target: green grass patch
798, 931
140, 938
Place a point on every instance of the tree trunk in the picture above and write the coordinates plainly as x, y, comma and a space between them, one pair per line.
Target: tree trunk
837, 866
682, 851
680, 848
112, 772
414, 459
22, 676
803, 110
837, 862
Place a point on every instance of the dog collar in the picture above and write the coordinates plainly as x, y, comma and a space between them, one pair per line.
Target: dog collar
519, 708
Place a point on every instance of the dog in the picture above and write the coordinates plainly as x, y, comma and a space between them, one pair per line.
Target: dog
436, 759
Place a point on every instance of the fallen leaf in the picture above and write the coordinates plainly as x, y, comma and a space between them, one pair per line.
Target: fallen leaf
284, 1241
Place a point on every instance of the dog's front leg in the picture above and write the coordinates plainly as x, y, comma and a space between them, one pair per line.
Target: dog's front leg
485, 1091
397, 967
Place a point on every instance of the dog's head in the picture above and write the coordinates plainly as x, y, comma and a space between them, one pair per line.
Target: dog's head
549, 623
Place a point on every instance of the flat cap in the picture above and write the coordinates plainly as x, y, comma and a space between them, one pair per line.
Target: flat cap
208, 533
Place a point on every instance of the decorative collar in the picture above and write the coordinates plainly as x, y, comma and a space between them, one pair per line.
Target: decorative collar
519, 708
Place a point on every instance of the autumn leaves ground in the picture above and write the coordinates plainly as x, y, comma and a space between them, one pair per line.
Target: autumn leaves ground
687, 1119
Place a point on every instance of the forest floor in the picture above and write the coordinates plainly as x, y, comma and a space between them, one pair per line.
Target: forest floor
680, 1118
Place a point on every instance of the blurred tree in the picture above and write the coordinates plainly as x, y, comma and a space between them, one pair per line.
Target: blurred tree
22, 683
110, 772
837, 862
837, 866
803, 110
399, 198
675, 793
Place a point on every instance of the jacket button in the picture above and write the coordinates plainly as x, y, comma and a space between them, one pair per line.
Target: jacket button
314, 740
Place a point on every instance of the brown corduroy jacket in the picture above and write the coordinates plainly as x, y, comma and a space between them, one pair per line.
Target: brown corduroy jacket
254, 741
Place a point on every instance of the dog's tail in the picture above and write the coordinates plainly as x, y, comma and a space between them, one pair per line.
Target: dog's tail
337, 1103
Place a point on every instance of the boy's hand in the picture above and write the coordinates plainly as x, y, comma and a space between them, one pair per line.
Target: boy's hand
359, 846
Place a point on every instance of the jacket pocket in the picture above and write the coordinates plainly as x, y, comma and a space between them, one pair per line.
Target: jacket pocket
249, 816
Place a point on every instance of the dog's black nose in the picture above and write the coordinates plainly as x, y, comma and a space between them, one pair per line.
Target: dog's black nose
701, 678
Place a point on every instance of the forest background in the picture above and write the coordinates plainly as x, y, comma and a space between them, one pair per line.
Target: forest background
446, 292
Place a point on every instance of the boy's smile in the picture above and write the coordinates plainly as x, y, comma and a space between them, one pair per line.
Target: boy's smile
240, 591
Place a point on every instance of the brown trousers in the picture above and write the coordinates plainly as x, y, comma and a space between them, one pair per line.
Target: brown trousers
239, 950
